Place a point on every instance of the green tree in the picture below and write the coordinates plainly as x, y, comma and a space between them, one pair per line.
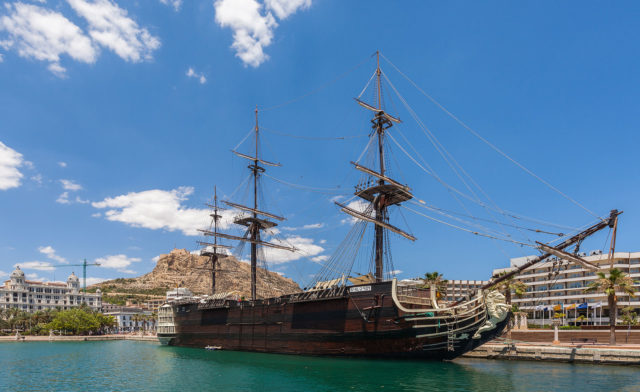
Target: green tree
436, 279
508, 286
615, 281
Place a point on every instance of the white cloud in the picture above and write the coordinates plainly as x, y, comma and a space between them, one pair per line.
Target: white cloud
92, 281
305, 248
10, 161
69, 185
284, 8
35, 277
111, 27
51, 254
96, 215
158, 209
41, 34
1, 57
155, 259
36, 265
174, 3
305, 227
118, 262
63, 198
252, 30
193, 74
37, 178
319, 259
62, 164
360, 206
3, 274
253, 24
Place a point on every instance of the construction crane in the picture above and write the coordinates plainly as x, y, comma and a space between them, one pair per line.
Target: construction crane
84, 272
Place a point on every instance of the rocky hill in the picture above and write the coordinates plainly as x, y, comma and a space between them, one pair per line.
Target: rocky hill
181, 268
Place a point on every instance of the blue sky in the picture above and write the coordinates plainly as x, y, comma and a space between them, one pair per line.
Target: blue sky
117, 120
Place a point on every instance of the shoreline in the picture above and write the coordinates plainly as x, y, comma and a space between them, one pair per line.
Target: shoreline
75, 338
628, 354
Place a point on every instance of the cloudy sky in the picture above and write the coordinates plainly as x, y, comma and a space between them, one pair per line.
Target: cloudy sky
118, 117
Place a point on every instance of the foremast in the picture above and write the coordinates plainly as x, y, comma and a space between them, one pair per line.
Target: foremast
256, 221
386, 192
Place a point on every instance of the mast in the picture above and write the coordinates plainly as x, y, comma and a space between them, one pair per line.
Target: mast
214, 256
255, 232
379, 205
256, 220
385, 192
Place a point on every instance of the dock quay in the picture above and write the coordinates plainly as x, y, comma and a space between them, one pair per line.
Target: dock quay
56, 338
574, 346
612, 355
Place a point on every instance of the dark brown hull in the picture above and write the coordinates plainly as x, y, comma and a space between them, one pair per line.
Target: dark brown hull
366, 323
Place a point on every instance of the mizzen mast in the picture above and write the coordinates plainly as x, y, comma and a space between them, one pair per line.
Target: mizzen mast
386, 191
213, 250
257, 220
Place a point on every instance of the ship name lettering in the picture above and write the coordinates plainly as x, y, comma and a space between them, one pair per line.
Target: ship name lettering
359, 289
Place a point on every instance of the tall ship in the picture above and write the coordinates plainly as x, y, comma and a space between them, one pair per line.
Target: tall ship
342, 313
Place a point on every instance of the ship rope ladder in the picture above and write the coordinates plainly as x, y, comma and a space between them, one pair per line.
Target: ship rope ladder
451, 335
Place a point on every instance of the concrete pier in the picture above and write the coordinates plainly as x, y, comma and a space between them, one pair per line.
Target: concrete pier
55, 338
617, 355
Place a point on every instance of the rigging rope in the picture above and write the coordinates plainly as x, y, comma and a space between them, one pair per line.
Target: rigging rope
317, 89
469, 231
309, 188
244, 138
435, 209
476, 134
447, 157
262, 128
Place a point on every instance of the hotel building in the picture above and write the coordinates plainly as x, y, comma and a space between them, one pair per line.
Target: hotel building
31, 296
560, 284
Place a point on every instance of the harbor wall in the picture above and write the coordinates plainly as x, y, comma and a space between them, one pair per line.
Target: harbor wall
77, 338
595, 355
565, 336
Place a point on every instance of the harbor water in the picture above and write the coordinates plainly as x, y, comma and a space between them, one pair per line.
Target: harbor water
147, 366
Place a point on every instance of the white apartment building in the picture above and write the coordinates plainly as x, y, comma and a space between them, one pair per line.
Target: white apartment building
564, 290
126, 320
457, 289
32, 296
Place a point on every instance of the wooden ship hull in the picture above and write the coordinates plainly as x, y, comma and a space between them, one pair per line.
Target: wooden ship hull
375, 320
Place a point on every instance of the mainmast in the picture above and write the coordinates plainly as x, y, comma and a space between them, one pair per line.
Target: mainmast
379, 206
386, 192
255, 231
254, 222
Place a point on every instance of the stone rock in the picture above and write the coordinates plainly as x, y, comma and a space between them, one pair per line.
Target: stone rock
183, 269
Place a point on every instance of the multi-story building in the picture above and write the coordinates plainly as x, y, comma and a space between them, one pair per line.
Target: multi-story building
558, 286
457, 289
32, 296
128, 318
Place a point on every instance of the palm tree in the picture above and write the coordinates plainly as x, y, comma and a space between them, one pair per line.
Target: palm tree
436, 279
510, 285
616, 281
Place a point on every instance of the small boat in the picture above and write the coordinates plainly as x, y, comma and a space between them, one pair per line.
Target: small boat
213, 348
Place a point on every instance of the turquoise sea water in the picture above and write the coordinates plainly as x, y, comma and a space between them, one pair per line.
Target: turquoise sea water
144, 366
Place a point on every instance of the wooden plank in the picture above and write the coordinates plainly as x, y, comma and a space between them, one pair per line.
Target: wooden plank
249, 157
367, 218
245, 208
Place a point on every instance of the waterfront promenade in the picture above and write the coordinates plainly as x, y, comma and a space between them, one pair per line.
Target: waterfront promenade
56, 338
